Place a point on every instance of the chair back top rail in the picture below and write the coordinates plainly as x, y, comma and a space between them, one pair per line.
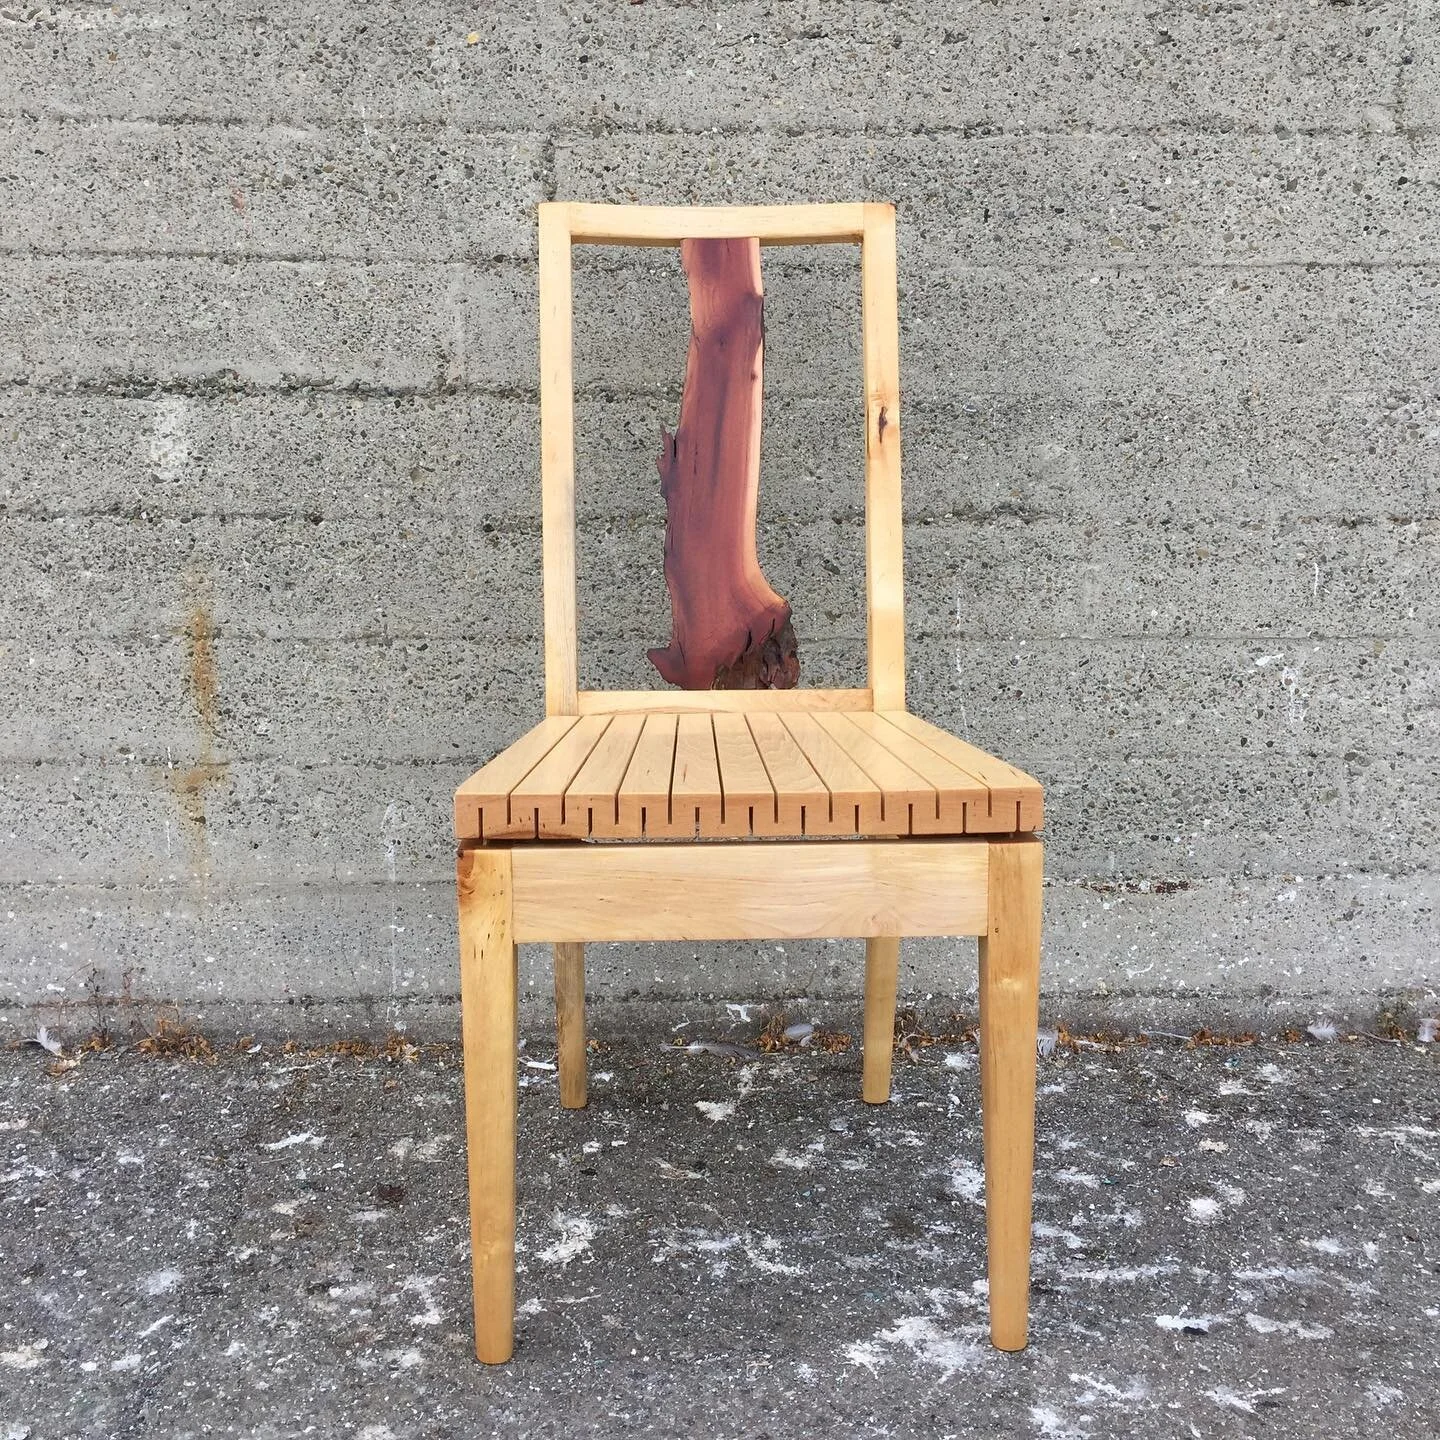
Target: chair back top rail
872, 226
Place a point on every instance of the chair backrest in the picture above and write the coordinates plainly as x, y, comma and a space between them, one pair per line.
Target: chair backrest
872, 227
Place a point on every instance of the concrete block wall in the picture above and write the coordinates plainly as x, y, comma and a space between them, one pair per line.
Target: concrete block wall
269, 498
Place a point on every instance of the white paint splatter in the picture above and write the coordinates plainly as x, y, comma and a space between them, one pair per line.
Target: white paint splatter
1132, 1394
783, 1157
968, 1181
930, 1345
1120, 1274
576, 1233
1264, 1325
1190, 1322
716, 1110
758, 1254
866, 1353
1289, 1273
126, 1362
1051, 1425
1230, 1399
424, 1287
1078, 1177
675, 1172
161, 1282
26, 1357
303, 1137
1203, 1210
1071, 1240
1196, 1118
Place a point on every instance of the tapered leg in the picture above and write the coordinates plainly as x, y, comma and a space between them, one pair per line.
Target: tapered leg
882, 963
570, 1023
1009, 1005
488, 985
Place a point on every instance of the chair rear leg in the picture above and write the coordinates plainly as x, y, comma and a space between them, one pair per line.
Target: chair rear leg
882, 963
1009, 1013
488, 986
570, 1024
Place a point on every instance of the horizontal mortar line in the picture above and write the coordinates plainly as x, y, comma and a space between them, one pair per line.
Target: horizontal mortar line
275, 762
223, 385
789, 264
131, 512
216, 388
977, 130
594, 526
445, 879
281, 762
526, 642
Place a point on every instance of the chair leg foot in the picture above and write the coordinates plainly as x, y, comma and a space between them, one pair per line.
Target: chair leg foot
882, 963
570, 1024
488, 992
1009, 1013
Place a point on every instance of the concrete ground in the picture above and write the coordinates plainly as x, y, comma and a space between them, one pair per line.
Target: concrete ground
1230, 1241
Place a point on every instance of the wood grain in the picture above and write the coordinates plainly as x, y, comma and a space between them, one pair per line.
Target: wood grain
488, 990
729, 629
1009, 1001
727, 891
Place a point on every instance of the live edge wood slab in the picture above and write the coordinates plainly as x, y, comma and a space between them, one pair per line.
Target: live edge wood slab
730, 630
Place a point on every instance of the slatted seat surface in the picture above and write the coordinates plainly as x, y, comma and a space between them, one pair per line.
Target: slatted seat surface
698, 774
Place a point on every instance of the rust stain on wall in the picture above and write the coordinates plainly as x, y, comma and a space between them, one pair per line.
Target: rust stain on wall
204, 677
191, 786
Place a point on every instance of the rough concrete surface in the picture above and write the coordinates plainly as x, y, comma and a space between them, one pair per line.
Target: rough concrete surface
1229, 1241
269, 496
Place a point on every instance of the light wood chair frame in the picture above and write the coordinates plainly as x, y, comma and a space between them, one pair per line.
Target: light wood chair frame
881, 890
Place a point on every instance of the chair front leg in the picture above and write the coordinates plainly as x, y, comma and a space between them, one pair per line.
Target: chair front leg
1009, 1015
488, 994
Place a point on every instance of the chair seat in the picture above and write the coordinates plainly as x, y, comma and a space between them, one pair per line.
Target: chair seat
672, 775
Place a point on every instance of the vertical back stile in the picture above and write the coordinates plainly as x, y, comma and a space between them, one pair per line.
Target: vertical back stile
557, 462
884, 525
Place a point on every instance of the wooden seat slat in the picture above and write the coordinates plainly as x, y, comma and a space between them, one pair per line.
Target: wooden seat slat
902, 789
747, 796
802, 799
1009, 788
857, 805
592, 798
957, 792
644, 795
482, 803
537, 803
695, 794
683, 774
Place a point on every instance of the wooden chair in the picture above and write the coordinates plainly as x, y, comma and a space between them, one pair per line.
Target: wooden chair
666, 815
